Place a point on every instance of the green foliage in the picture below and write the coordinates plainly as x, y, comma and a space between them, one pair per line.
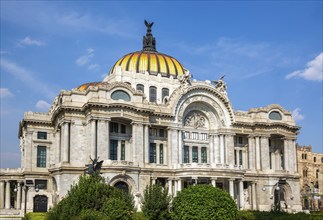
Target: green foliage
35, 216
203, 202
90, 197
139, 216
155, 204
89, 214
275, 215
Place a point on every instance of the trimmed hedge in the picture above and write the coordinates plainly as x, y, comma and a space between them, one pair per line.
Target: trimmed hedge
203, 202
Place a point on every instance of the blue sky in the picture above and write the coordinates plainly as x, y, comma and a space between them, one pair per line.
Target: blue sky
270, 52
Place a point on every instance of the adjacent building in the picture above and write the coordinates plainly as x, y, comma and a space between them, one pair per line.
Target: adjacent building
310, 166
150, 122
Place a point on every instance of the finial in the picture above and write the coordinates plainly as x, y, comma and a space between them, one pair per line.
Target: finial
149, 42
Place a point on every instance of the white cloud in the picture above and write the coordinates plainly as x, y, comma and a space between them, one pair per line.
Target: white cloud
5, 93
85, 58
93, 67
42, 105
26, 77
29, 42
312, 72
296, 114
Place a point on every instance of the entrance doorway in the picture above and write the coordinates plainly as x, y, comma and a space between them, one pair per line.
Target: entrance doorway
40, 203
123, 186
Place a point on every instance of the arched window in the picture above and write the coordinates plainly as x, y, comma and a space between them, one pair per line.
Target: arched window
317, 174
165, 92
140, 87
304, 173
119, 94
274, 115
152, 94
122, 185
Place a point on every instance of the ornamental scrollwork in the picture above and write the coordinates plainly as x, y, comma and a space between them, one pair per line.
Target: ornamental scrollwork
195, 120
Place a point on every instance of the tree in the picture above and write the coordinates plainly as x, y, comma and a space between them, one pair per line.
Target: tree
155, 204
203, 202
92, 197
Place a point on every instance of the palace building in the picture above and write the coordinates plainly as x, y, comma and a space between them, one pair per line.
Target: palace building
310, 166
150, 122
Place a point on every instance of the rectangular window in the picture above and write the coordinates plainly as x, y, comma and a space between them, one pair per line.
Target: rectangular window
122, 129
113, 150
41, 156
240, 140
204, 155
152, 153
152, 132
270, 160
314, 159
161, 153
123, 150
186, 154
194, 135
204, 136
235, 157
195, 155
269, 142
42, 135
240, 157
41, 184
113, 127
187, 135
161, 133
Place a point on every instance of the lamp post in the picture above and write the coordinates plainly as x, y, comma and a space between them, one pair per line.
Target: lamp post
26, 188
278, 198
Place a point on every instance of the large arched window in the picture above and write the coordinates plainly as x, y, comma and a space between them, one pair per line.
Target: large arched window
119, 94
152, 94
140, 87
274, 115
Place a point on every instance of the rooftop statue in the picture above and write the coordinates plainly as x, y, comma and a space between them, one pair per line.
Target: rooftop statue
220, 85
149, 25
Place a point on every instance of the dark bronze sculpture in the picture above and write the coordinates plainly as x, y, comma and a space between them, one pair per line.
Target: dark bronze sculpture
95, 167
149, 42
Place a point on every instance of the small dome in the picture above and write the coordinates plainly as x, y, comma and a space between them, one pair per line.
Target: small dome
85, 86
151, 62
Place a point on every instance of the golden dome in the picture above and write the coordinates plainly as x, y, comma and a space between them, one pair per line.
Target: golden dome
149, 60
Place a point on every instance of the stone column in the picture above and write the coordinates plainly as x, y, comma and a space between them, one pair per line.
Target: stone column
170, 187
229, 146
213, 182
103, 142
175, 149
251, 153
180, 147
7, 202
241, 196
175, 187
295, 155
231, 189
146, 143
221, 149
66, 142
286, 153
18, 195
23, 198
211, 149
258, 159
134, 143
237, 157
217, 151
169, 147
264, 153
2, 194
254, 199
153, 180
179, 185
93, 139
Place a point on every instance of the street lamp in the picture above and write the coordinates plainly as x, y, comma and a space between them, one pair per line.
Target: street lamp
26, 188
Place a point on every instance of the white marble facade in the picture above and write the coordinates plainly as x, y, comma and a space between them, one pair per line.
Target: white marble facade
190, 135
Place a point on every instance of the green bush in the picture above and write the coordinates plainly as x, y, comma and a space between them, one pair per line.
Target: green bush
155, 204
246, 215
89, 214
139, 216
35, 216
203, 202
91, 193
275, 215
